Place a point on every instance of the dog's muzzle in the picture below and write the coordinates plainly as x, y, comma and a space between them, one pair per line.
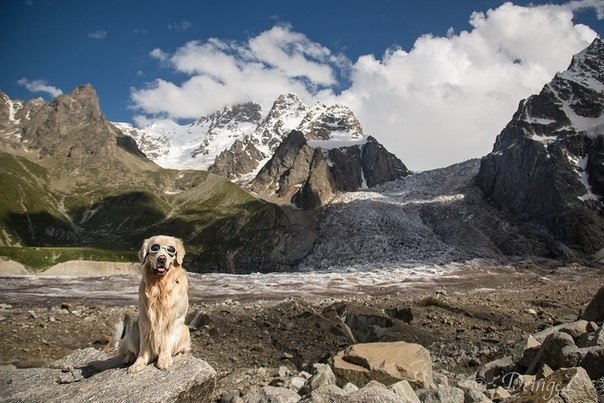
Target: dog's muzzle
161, 268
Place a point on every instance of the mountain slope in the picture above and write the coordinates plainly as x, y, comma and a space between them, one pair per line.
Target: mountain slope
309, 173
195, 146
76, 180
547, 164
244, 158
424, 219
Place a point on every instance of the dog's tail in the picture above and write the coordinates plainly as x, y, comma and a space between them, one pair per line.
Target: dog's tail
122, 326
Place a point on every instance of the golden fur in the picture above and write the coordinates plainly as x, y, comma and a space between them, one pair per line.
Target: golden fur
162, 305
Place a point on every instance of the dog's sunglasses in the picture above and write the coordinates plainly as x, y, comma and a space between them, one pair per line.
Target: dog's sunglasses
157, 247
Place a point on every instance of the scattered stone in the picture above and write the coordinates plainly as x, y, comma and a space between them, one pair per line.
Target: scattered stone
232, 397
440, 379
322, 376
325, 394
368, 394
574, 329
271, 394
498, 394
593, 362
68, 307
493, 370
295, 383
443, 394
568, 385
375, 384
474, 395
404, 390
529, 349
598, 339
544, 371
350, 387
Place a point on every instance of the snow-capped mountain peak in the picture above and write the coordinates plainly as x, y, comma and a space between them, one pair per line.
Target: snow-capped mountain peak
237, 140
322, 121
284, 116
196, 145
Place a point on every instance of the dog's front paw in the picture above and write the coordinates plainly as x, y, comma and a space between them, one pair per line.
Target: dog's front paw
164, 361
136, 367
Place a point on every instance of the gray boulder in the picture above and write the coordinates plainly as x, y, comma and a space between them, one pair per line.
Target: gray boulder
272, 394
495, 369
595, 309
322, 376
404, 390
568, 385
324, 394
90, 375
558, 350
370, 394
443, 394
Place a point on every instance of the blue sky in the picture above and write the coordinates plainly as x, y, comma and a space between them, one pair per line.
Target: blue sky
419, 74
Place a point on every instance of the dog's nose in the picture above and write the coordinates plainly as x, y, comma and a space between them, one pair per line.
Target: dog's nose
161, 259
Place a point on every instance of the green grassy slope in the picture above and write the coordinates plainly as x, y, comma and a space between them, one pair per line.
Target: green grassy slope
224, 227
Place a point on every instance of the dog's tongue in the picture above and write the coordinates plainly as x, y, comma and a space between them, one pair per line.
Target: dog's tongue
160, 270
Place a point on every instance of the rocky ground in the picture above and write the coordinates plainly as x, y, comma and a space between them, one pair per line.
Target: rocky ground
464, 320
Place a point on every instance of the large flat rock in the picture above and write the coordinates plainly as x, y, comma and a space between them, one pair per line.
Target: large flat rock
385, 362
90, 375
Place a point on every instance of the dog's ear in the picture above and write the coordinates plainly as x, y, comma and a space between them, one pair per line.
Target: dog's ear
142, 254
180, 251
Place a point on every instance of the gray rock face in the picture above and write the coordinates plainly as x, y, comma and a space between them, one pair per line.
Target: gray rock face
546, 165
89, 375
309, 176
241, 159
379, 165
595, 309
238, 160
288, 165
66, 132
319, 187
228, 118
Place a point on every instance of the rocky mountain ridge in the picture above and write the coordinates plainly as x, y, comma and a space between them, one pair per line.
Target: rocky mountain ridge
236, 140
251, 156
311, 175
196, 145
547, 165
72, 179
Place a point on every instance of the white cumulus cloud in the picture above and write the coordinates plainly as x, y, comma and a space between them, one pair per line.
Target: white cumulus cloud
443, 101
447, 98
220, 72
39, 86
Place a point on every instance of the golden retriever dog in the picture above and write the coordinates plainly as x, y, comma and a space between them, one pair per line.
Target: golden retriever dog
159, 332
